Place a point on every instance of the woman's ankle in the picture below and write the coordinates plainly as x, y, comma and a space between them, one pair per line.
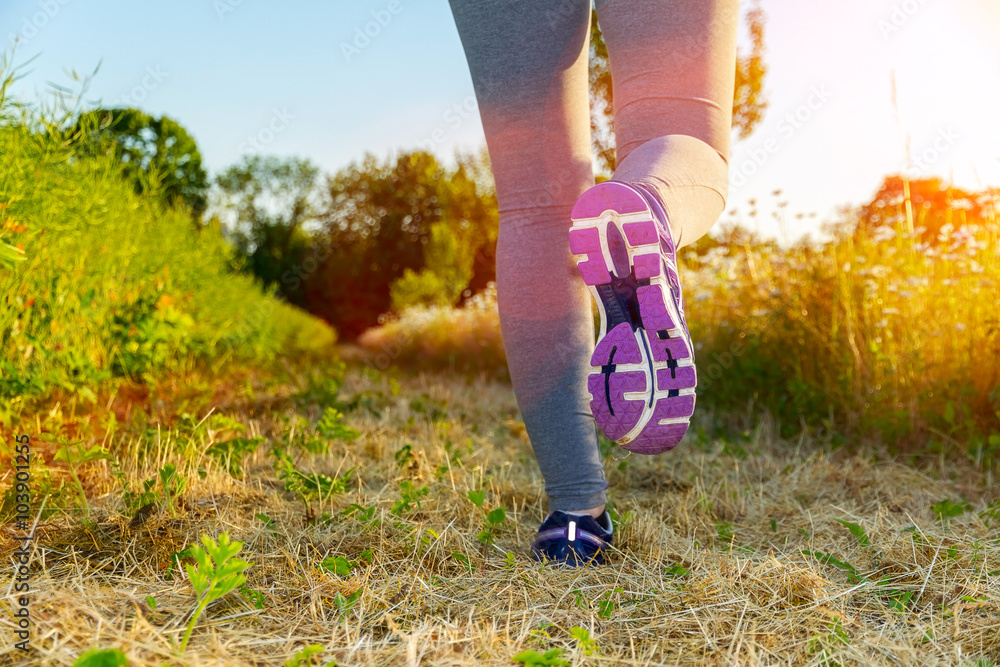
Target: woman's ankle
593, 511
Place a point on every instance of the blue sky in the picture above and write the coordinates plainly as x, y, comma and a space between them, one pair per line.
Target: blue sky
253, 75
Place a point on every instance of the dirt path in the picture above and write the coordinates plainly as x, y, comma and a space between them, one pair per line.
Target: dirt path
740, 552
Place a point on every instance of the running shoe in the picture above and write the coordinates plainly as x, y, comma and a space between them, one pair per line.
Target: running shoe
642, 378
573, 540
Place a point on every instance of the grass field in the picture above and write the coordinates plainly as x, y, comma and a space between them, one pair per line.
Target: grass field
383, 516
736, 549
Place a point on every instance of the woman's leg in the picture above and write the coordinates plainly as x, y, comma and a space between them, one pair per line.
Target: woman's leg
673, 72
528, 61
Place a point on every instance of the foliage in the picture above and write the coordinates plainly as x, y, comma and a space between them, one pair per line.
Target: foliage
157, 155
216, 573
548, 659
584, 641
409, 227
749, 100
267, 202
345, 603
162, 489
110, 283
374, 227
857, 531
338, 565
947, 509
308, 486
869, 332
409, 498
172, 485
254, 597
472, 210
101, 657
441, 281
459, 257
331, 427
492, 519
147, 334
305, 656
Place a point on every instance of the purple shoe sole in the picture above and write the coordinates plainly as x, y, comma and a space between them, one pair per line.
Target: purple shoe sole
642, 376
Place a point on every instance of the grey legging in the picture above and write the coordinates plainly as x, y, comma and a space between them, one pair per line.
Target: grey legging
673, 68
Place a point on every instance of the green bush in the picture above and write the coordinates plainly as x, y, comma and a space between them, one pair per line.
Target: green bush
109, 282
446, 273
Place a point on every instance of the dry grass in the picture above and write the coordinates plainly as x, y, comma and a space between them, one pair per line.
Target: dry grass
869, 332
700, 574
465, 340
876, 333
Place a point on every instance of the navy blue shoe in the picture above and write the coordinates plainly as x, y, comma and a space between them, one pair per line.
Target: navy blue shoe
573, 540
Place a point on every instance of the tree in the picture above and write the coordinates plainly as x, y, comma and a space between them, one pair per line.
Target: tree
265, 202
375, 220
444, 276
472, 211
156, 154
933, 204
460, 256
401, 232
749, 102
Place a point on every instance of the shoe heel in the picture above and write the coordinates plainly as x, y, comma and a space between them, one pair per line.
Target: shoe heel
586, 245
642, 369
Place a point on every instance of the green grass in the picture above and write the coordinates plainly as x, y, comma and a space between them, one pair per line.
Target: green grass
107, 284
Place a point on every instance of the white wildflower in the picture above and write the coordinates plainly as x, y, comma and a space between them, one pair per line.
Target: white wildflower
882, 234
